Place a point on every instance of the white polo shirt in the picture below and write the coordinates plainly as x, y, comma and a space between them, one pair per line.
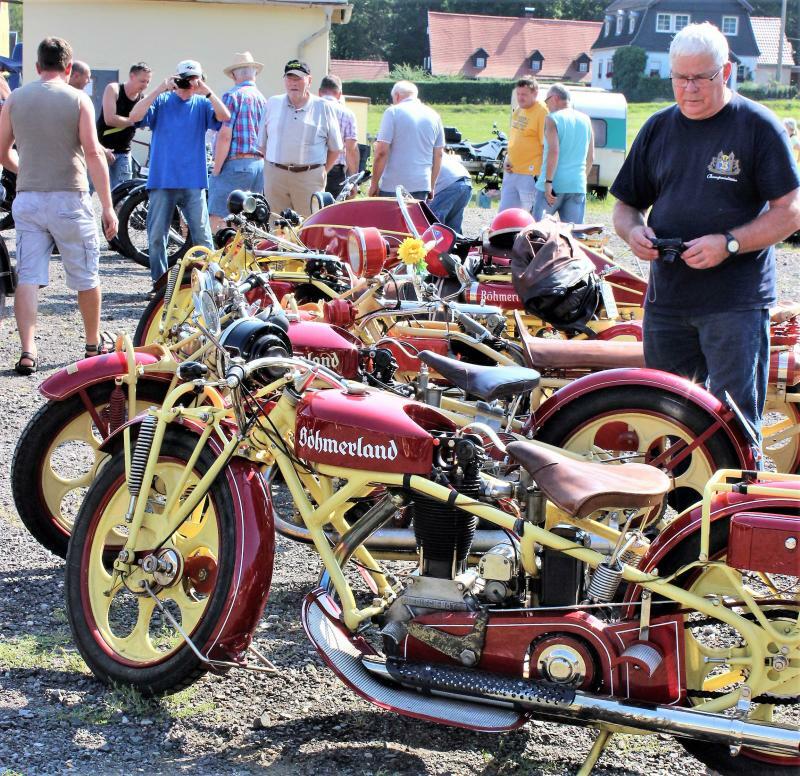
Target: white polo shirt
299, 135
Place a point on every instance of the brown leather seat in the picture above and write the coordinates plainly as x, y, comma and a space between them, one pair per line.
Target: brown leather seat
550, 353
581, 487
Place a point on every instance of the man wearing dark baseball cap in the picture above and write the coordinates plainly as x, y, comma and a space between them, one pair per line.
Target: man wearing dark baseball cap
301, 141
297, 67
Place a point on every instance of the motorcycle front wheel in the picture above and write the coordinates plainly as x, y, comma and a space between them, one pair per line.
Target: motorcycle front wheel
120, 631
147, 329
132, 232
57, 457
640, 424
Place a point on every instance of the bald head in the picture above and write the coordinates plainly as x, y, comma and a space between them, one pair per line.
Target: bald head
80, 75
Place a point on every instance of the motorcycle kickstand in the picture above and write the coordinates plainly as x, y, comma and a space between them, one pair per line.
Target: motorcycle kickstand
267, 667
600, 743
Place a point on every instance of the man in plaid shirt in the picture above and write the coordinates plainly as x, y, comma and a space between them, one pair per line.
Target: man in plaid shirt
238, 161
330, 88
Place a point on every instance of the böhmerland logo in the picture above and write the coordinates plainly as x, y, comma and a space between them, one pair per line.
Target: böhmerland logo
321, 444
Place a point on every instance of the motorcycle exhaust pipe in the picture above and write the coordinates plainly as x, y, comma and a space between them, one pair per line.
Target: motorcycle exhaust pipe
576, 707
399, 540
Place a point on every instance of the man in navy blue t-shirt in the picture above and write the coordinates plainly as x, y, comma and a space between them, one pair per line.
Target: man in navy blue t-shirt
178, 112
715, 169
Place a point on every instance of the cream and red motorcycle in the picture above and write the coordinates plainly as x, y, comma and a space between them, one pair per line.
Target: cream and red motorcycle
574, 615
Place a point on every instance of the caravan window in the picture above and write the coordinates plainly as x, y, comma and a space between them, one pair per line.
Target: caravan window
599, 128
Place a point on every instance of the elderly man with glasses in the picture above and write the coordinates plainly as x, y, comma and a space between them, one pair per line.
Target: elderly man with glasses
715, 170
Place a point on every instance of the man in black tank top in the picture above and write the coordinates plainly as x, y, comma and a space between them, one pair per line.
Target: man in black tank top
114, 128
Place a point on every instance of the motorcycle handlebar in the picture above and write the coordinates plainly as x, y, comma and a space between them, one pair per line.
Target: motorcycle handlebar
237, 373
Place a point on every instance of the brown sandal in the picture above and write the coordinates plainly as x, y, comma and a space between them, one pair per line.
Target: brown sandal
25, 369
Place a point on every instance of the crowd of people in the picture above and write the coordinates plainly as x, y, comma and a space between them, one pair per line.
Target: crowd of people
710, 146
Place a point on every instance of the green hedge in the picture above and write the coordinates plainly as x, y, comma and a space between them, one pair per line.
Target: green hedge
649, 89
772, 91
451, 92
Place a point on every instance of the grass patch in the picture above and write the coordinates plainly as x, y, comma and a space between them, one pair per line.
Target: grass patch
50, 651
183, 704
475, 121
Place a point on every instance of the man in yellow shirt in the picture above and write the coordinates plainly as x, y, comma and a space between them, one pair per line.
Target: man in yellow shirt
525, 146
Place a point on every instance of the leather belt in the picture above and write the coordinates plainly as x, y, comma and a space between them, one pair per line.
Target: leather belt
244, 156
296, 167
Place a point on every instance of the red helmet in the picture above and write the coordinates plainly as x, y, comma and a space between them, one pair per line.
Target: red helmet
506, 225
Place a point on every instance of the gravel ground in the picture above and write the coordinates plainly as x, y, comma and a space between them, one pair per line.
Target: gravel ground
54, 716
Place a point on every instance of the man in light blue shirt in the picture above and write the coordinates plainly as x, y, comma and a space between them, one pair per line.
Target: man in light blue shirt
568, 154
408, 151
179, 112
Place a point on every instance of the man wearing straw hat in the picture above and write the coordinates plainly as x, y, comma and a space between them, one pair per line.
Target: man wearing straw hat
238, 161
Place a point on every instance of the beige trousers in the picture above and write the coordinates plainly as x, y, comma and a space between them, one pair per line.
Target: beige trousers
283, 188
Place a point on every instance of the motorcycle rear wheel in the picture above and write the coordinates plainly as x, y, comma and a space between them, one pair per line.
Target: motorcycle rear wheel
132, 233
650, 421
47, 478
123, 637
701, 676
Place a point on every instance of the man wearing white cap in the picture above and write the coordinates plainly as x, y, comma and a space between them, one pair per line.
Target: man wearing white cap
179, 112
238, 161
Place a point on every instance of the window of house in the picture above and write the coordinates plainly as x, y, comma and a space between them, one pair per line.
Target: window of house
631, 23
583, 67
610, 68
663, 22
536, 64
741, 74
606, 28
480, 61
600, 69
730, 25
620, 23
681, 20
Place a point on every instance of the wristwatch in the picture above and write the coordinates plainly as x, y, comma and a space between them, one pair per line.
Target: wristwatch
732, 244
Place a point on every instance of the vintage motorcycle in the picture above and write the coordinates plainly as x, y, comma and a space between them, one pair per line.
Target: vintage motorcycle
576, 614
623, 413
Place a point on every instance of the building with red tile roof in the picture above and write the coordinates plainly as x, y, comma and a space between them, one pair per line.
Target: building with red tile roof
510, 47
359, 69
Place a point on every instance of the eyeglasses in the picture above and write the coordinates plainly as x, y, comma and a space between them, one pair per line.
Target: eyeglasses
682, 81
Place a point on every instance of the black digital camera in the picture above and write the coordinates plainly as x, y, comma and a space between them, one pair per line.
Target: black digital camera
183, 83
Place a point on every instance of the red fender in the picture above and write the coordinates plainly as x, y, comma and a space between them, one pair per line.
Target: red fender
722, 505
255, 550
653, 378
90, 371
631, 329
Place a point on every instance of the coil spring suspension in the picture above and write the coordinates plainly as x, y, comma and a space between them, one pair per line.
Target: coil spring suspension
141, 453
116, 408
172, 279
604, 583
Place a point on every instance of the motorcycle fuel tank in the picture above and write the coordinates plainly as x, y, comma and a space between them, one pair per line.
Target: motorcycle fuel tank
327, 345
373, 431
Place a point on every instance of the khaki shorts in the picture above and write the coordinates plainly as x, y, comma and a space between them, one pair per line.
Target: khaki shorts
63, 218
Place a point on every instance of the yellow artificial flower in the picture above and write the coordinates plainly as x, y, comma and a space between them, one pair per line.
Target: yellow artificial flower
411, 251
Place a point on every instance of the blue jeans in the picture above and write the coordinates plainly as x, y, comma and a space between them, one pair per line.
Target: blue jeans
727, 351
570, 207
120, 170
448, 205
244, 174
518, 190
161, 206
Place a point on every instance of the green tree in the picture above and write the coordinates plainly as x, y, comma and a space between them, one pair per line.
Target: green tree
629, 62
15, 17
